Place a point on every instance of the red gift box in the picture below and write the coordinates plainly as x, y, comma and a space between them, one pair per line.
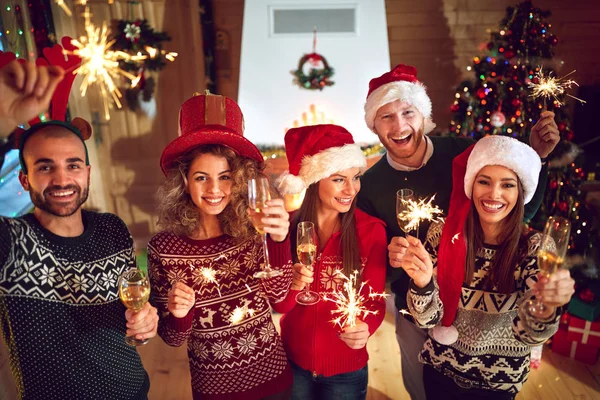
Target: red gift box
584, 332
585, 353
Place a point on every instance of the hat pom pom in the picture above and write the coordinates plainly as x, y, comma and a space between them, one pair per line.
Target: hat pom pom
290, 184
446, 335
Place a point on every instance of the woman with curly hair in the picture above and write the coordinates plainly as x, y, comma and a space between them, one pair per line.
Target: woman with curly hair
202, 263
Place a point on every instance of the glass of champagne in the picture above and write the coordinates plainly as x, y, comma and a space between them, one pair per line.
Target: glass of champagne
134, 291
551, 257
258, 194
402, 196
306, 247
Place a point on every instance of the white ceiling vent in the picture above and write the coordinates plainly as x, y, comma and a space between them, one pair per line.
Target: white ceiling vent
332, 19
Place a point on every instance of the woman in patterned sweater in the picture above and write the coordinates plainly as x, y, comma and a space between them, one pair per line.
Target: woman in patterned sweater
485, 264
202, 263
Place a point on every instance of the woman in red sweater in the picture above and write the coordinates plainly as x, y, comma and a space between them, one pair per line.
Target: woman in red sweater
330, 361
202, 263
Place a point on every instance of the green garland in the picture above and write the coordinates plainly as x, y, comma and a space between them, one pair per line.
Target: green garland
316, 78
270, 152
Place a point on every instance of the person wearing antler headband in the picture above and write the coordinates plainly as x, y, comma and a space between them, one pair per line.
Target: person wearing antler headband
203, 264
62, 319
470, 279
399, 111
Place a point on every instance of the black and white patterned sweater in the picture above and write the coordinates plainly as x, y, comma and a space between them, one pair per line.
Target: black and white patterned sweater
60, 312
495, 336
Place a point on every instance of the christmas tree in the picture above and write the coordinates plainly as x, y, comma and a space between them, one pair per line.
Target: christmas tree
498, 101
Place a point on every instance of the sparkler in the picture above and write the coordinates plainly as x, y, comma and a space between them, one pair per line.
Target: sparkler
240, 313
350, 301
550, 88
417, 211
99, 64
209, 275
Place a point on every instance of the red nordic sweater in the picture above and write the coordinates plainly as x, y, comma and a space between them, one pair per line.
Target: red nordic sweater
242, 361
309, 337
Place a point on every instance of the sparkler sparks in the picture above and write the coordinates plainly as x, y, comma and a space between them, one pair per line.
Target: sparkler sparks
209, 275
350, 301
550, 88
99, 64
417, 211
241, 313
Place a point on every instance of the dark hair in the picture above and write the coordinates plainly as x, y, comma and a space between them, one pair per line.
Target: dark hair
178, 213
512, 247
349, 241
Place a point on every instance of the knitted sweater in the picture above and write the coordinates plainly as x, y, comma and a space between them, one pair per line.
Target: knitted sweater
495, 335
380, 183
60, 312
309, 336
227, 361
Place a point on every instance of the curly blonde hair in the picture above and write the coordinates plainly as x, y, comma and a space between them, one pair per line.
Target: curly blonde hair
178, 213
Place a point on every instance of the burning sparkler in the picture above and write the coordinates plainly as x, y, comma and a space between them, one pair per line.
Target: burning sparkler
350, 301
209, 275
550, 87
99, 64
241, 313
417, 211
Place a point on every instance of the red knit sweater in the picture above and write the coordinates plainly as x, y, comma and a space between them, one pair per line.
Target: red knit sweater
309, 337
227, 361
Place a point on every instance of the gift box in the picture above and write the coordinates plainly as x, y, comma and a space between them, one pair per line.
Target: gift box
561, 344
589, 311
584, 332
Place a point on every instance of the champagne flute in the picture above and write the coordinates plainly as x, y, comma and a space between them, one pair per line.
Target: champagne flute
551, 257
258, 194
134, 291
306, 247
402, 196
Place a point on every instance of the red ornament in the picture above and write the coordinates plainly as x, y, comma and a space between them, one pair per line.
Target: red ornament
561, 126
553, 185
497, 119
563, 205
515, 103
509, 54
570, 135
480, 93
455, 108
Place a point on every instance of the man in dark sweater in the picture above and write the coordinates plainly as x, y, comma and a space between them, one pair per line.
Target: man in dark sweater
398, 110
62, 319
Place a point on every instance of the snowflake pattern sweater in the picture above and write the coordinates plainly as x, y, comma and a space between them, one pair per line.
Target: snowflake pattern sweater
227, 361
495, 336
60, 312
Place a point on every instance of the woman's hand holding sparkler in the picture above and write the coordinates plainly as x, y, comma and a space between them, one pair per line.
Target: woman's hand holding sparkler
544, 135
416, 261
181, 300
356, 337
302, 276
397, 250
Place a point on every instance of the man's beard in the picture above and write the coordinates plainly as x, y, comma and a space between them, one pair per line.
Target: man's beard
60, 210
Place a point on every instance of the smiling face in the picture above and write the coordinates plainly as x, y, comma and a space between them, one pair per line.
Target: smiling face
400, 128
57, 178
339, 190
495, 193
209, 183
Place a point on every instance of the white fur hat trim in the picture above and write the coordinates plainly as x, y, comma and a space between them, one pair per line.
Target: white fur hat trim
321, 165
412, 93
509, 153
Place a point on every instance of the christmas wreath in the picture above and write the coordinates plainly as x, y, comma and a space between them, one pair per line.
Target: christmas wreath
317, 78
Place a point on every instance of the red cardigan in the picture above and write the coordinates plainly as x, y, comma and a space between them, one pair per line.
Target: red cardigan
309, 337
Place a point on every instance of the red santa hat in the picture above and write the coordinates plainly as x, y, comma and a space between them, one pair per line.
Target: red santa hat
452, 252
400, 83
316, 152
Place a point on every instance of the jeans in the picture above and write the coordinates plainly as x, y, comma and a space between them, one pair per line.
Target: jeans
348, 386
439, 386
411, 340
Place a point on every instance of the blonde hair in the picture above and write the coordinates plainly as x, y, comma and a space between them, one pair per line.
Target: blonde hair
178, 213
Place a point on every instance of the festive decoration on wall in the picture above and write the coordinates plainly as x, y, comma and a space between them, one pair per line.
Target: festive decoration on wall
138, 38
506, 97
313, 72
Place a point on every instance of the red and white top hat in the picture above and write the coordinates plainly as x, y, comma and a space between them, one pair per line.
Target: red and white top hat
400, 83
209, 119
452, 252
316, 152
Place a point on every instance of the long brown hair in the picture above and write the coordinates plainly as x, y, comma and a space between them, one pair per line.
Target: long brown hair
348, 242
178, 213
511, 250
